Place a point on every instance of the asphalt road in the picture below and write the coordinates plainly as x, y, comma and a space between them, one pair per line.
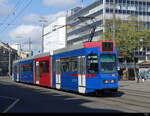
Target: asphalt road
24, 98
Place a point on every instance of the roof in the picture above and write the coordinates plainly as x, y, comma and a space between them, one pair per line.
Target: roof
7, 46
69, 48
42, 55
32, 57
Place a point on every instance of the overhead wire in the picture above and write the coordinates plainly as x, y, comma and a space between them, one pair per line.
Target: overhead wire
14, 10
26, 6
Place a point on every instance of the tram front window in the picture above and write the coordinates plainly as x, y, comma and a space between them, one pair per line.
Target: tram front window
92, 64
108, 63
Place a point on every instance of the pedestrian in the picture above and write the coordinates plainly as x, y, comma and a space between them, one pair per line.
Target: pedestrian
138, 77
146, 75
142, 76
124, 75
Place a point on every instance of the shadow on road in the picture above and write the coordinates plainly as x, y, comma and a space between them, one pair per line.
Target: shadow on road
33, 100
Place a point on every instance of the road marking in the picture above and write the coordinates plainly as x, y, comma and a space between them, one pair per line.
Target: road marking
57, 95
12, 105
72, 98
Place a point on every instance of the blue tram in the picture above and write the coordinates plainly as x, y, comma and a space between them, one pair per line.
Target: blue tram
85, 68
27, 71
23, 71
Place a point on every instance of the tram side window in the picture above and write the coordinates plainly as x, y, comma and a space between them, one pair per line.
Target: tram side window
64, 67
69, 64
92, 64
27, 67
74, 67
44, 66
54, 66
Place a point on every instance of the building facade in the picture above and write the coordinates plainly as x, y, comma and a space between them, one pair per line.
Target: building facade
55, 35
101, 10
16, 47
21, 53
7, 56
83, 20
81, 23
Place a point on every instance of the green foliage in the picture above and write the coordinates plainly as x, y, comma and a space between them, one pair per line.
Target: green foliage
128, 35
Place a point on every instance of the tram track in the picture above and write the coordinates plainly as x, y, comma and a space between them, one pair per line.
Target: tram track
136, 92
125, 100
133, 98
127, 103
130, 101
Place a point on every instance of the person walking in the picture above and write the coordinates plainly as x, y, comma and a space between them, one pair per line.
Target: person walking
142, 76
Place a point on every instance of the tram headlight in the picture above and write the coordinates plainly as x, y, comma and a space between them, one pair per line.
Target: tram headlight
105, 81
112, 81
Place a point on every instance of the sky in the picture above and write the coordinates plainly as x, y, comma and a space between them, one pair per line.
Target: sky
19, 19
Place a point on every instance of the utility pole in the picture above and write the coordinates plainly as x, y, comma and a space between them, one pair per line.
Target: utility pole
9, 62
82, 3
114, 21
42, 20
30, 45
43, 38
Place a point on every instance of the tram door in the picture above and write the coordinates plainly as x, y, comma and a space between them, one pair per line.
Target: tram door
58, 74
81, 74
37, 73
18, 72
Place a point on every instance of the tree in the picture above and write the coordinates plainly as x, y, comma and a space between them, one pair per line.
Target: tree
129, 35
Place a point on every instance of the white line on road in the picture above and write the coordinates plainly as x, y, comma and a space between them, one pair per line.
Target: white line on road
11, 106
72, 98
57, 95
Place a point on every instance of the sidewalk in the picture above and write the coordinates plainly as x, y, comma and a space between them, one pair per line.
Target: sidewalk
133, 85
4, 78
